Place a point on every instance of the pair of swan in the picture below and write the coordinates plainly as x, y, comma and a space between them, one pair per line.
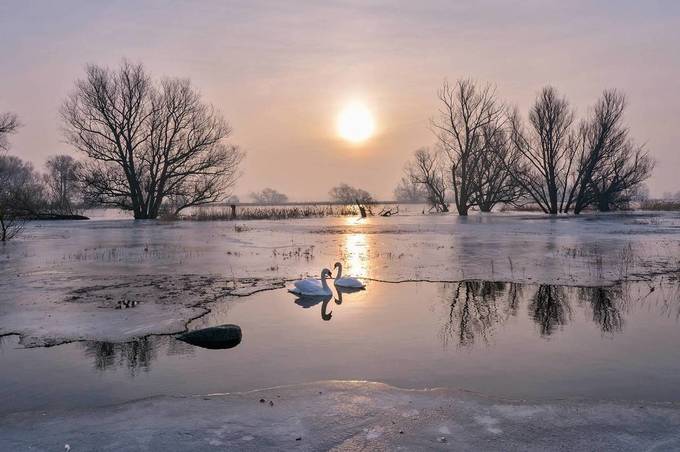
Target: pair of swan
313, 288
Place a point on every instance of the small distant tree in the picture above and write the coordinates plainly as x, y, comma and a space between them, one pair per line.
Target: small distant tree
21, 195
640, 193
9, 123
410, 191
426, 171
150, 145
347, 194
269, 196
62, 183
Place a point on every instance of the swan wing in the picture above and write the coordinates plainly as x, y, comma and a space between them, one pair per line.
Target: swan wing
308, 287
353, 283
307, 284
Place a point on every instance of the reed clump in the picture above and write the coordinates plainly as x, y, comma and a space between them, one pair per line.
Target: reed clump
660, 205
271, 212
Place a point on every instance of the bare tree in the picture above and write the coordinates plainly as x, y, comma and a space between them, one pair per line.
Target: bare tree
620, 180
9, 123
493, 182
610, 165
409, 191
269, 196
21, 195
566, 170
150, 145
349, 195
465, 109
426, 171
62, 182
546, 150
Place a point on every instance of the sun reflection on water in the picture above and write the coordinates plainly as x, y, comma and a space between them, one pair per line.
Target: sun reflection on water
356, 255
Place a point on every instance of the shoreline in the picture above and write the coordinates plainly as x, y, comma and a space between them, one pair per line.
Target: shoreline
348, 415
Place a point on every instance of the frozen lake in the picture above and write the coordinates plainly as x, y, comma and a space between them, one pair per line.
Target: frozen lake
584, 308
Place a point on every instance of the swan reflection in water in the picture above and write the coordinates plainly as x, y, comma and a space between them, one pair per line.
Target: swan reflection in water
307, 302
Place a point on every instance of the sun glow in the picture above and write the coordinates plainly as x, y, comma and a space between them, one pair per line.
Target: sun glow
355, 123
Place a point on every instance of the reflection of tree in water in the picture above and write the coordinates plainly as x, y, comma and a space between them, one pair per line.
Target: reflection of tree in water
134, 355
550, 308
475, 308
473, 311
604, 301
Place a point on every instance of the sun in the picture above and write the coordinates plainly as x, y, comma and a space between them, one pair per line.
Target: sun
355, 123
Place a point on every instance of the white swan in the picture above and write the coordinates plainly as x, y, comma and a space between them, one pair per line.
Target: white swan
347, 281
310, 287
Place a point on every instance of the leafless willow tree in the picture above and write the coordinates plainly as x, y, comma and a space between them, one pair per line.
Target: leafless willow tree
426, 170
62, 183
151, 145
493, 182
465, 110
9, 123
566, 168
610, 166
546, 151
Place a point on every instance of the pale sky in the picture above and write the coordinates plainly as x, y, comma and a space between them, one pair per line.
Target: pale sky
280, 72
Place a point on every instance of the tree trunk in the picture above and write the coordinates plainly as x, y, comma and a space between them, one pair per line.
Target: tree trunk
362, 209
603, 203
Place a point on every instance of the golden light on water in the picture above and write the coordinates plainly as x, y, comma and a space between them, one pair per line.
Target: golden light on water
356, 255
355, 123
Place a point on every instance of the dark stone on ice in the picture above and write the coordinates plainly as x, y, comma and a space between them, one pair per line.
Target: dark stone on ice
214, 338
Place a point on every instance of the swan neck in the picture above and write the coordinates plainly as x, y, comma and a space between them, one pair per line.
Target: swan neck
339, 275
324, 284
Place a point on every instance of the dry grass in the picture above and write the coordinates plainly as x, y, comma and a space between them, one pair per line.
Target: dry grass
659, 205
271, 212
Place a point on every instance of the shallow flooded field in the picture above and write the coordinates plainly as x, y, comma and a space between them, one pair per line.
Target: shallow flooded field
519, 306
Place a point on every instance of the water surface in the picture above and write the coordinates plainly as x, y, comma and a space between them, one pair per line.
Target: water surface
520, 341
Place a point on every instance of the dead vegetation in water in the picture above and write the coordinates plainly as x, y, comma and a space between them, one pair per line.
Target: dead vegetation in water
295, 253
660, 205
272, 212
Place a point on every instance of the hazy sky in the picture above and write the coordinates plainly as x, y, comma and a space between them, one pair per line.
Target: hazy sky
281, 71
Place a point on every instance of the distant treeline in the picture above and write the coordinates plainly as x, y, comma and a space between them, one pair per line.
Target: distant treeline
26, 194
